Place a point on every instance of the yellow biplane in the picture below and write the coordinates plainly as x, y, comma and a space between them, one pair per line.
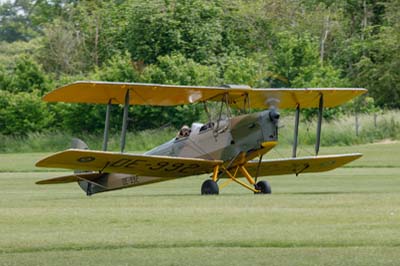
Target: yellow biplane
225, 147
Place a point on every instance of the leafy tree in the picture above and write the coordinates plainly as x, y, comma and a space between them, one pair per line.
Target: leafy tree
78, 118
23, 112
378, 69
63, 50
193, 28
262, 43
101, 26
119, 67
14, 21
22, 20
292, 53
246, 70
25, 76
317, 76
176, 69
11, 52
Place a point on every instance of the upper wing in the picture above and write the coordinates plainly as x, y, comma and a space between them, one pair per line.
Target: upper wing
168, 95
299, 165
141, 93
305, 98
110, 162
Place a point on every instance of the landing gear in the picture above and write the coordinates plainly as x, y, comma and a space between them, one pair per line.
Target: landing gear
209, 187
263, 187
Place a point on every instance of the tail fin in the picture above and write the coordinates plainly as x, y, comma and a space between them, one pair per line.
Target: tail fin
79, 144
85, 185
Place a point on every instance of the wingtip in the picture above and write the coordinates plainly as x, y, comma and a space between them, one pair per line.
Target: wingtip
39, 163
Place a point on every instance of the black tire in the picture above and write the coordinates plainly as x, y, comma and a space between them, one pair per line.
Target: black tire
264, 187
209, 187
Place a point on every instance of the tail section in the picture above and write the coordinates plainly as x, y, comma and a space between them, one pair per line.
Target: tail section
113, 181
85, 184
93, 182
101, 171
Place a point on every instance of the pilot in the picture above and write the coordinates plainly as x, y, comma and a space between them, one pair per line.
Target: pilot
184, 132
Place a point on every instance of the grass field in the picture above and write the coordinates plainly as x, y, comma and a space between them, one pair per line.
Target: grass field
350, 216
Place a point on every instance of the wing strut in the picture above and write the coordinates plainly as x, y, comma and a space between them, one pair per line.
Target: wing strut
258, 167
125, 121
320, 112
296, 131
107, 126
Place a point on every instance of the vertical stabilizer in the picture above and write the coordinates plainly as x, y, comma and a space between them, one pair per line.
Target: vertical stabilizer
85, 185
79, 144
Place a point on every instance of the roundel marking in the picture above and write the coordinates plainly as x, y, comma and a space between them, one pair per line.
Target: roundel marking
86, 159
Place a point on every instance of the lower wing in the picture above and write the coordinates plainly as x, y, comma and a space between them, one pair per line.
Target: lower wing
142, 165
311, 164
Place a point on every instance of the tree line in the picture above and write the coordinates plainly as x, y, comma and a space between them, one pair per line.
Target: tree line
262, 43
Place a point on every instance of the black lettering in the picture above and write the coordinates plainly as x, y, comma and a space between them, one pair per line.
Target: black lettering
130, 180
120, 163
174, 167
134, 163
135, 179
191, 166
160, 166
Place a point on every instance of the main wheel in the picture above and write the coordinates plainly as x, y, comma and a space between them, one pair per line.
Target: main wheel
264, 187
209, 187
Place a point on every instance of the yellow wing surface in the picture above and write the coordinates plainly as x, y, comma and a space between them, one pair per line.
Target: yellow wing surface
299, 165
146, 165
169, 95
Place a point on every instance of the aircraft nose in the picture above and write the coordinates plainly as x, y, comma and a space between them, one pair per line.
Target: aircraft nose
274, 116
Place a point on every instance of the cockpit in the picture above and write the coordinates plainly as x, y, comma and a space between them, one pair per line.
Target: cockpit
183, 132
198, 128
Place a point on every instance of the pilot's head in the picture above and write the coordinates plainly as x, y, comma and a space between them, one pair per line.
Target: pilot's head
185, 131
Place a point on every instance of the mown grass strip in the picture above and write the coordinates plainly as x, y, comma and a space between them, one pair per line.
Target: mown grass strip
199, 244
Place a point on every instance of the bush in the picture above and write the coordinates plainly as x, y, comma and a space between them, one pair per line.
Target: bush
25, 76
176, 69
23, 112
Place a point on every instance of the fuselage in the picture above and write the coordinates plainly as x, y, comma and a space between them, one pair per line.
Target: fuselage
232, 140
226, 139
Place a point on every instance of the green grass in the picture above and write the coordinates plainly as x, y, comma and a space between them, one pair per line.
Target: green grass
350, 216
21, 162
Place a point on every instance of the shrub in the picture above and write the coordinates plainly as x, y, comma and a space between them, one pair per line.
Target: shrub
23, 112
